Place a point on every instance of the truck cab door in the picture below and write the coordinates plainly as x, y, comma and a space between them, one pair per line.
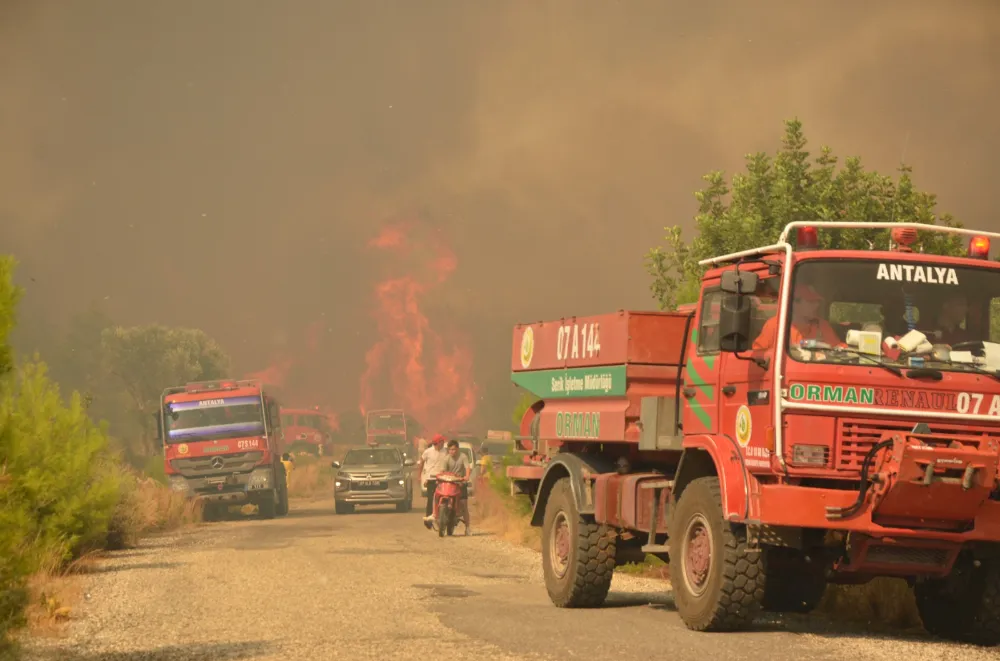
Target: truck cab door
699, 390
746, 398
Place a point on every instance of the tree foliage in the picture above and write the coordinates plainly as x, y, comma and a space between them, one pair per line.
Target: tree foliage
146, 359
775, 191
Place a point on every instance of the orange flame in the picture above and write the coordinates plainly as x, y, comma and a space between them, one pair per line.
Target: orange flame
417, 370
280, 374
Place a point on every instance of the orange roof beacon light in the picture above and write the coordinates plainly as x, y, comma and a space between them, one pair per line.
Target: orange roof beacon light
903, 237
807, 238
979, 247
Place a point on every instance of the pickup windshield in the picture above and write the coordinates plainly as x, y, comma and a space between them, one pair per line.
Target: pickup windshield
224, 417
951, 305
371, 458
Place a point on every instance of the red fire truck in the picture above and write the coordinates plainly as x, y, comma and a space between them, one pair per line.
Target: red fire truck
309, 429
765, 464
222, 445
388, 427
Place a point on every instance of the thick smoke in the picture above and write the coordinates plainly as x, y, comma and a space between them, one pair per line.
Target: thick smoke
225, 164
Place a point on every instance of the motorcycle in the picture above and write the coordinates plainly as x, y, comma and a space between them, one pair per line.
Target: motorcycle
449, 504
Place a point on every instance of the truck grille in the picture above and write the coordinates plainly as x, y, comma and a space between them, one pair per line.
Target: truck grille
239, 462
857, 436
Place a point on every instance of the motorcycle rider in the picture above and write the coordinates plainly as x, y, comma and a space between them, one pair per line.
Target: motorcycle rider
431, 463
457, 464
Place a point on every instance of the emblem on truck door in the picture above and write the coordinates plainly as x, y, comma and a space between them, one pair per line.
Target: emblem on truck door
527, 347
744, 426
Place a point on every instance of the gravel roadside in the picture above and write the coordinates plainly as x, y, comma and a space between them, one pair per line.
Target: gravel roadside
377, 585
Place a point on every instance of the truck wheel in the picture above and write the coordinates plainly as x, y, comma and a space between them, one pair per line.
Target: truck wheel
964, 606
793, 585
403, 505
719, 585
267, 508
578, 555
283, 494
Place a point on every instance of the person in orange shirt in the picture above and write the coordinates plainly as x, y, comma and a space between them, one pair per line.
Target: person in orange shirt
807, 322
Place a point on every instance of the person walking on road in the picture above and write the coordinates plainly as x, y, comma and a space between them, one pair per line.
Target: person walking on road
431, 463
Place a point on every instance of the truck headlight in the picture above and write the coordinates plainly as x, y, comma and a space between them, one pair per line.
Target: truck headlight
341, 483
178, 483
260, 478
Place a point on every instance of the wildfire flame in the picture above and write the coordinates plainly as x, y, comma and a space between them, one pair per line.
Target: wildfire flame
285, 365
419, 371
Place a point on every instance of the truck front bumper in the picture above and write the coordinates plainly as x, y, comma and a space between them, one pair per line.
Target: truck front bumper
232, 488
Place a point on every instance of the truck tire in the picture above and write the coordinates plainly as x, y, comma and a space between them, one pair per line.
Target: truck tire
964, 606
266, 507
578, 555
282, 508
719, 582
793, 585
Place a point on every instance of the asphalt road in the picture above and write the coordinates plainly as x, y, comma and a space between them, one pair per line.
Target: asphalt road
378, 585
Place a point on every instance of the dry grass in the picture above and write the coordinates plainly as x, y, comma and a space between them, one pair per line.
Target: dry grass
55, 591
884, 602
310, 477
652, 567
504, 517
148, 506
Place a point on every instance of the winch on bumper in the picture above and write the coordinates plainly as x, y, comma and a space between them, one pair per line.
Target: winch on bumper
232, 488
371, 488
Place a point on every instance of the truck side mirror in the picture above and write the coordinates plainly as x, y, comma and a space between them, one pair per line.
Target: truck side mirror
157, 426
334, 464
408, 462
734, 323
739, 282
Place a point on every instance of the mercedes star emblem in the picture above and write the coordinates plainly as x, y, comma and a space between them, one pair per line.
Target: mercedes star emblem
217, 462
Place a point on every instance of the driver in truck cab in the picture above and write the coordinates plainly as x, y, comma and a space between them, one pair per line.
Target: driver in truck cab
950, 316
808, 322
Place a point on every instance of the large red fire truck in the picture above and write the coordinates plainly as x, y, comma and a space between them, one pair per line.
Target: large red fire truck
222, 445
764, 463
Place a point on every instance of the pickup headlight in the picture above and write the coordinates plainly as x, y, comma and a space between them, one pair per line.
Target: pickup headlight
341, 482
260, 478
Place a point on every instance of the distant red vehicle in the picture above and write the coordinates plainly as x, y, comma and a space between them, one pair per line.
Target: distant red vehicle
309, 429
388, 427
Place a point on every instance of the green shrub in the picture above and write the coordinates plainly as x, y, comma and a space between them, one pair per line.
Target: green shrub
58, 486
60, 469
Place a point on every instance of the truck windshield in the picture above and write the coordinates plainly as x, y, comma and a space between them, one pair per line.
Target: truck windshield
312, 421
224, 417
371, 457
385, 421
841, 308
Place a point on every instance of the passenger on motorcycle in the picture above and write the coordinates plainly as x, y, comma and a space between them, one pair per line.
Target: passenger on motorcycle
431, 463
457, 464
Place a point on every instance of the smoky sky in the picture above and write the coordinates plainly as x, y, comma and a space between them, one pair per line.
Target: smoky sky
223, 164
